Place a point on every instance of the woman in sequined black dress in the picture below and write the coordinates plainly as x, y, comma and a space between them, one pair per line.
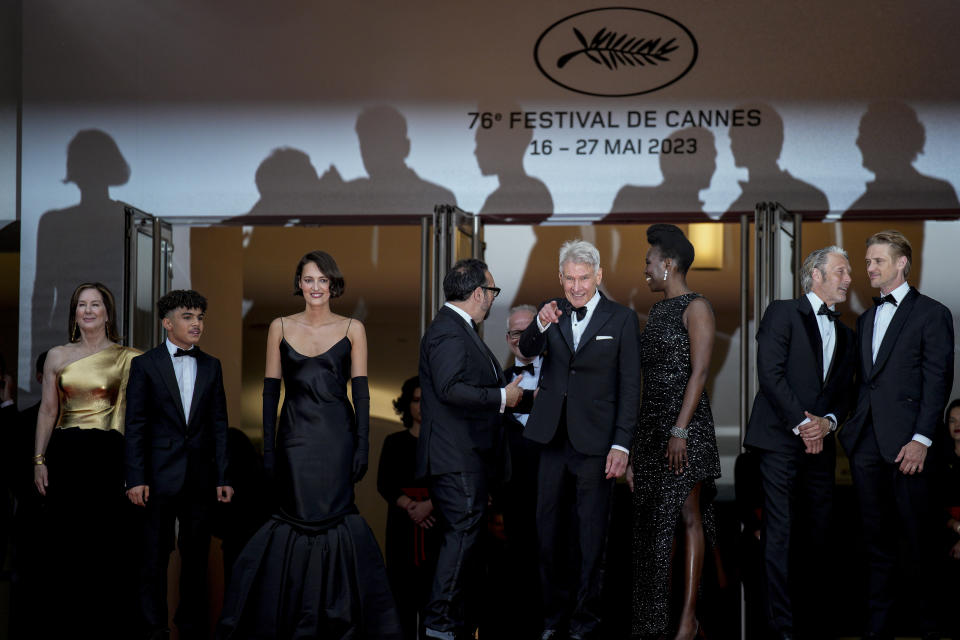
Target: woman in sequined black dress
674, 453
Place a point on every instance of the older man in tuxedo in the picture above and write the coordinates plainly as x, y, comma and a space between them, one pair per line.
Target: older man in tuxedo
463, 396
805, 365
905, 357
584, 415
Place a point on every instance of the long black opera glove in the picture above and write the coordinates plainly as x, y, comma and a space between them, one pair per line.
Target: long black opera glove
271, 400
361, 405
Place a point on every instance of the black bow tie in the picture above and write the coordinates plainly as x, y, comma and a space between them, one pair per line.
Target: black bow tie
825, 311
579, 311
521, 368
887, 298
193, 353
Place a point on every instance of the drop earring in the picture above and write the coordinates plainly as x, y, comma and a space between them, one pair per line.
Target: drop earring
665, 274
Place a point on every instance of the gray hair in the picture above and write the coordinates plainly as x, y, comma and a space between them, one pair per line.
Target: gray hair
529, 308
817, 260
579, 252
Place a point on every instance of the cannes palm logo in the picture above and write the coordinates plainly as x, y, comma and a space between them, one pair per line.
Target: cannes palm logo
615, 51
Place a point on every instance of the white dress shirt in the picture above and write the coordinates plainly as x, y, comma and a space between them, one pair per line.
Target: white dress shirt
466, 318
529, 382
828, 339
185, 370
881, 322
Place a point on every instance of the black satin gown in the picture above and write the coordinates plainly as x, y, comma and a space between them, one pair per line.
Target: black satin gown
314, 570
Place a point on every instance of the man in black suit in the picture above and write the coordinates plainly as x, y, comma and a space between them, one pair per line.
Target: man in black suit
905, 360
806, 359
584, 415
176, 461
464, 394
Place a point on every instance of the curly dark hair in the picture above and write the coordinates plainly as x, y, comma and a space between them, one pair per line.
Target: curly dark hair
328, 267
185, 298
402, 404
672, 243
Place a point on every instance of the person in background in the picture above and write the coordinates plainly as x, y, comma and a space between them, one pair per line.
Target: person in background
519, 497
948, 491
412, 538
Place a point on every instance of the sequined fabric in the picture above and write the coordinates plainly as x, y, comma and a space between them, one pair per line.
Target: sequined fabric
659, 493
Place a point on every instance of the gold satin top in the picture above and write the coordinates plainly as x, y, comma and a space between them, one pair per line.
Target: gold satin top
93, 390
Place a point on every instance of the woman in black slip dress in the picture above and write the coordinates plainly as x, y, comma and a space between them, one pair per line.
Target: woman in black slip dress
314, 570
674, 452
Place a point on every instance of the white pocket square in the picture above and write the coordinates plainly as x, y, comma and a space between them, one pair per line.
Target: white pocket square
604, 338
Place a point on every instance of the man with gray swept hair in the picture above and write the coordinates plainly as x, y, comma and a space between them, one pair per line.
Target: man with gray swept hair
584, 415
806, 359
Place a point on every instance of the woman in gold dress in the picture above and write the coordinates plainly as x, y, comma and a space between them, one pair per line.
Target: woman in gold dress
80, 474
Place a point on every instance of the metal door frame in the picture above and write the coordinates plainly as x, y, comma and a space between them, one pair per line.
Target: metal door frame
439, 235
160, 232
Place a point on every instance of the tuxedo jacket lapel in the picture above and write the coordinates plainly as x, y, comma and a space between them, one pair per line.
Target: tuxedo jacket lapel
893, 330
839, 348
162, 359
204, 375
477, 342
566, 329
599, 318
812, 329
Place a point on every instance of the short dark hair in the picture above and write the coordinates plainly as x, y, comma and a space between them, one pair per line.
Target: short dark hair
672, 243
186, 298
328, 267
108, 301
402, 404
465, 276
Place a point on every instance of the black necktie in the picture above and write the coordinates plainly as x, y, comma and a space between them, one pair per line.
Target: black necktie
825, 311
193, 353
887, 298
521, 368
475, 326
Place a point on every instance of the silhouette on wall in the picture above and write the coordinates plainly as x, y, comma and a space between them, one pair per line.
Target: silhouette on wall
289, 186
757, 149
890, 139
500, 151
685, 175
391, 186
82, 243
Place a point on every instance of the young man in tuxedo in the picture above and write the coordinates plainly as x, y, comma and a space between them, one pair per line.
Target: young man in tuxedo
806, 359
584, 415
176, 461
905, 358
463, 397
